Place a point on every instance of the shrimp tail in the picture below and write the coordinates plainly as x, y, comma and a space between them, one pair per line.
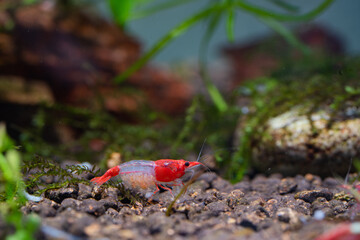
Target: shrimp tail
112, 172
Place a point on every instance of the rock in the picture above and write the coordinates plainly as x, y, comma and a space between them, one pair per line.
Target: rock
70, 203
244, 186
109, 55
112, 212
287, 185
331, 182
85, 191
221, 184
338, 206
293, 148
208, 177
265, 185
288, 215
94, 230
234, 197
186, 228
252, 220
217, 233
198, 187
158, 223
71, 221
311, 195
45, 208
195, 210
209, 196
110, 203
58, 195
217, 207
271, 206
320, 203
111, 216
302, 183
111, 192
152, 209
110, 231
93, 207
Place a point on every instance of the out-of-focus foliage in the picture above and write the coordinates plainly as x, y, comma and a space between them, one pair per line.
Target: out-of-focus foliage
211, 14
12, 191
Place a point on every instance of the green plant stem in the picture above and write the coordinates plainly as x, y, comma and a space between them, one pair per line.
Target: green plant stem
214, 93
183, 190
283, 17
155, 9
230, 24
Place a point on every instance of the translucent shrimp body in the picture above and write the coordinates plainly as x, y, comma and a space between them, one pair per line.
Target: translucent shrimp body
138, 174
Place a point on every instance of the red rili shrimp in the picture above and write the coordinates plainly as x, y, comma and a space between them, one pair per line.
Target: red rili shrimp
146, 174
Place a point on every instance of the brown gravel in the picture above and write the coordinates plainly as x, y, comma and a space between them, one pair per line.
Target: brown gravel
262, 208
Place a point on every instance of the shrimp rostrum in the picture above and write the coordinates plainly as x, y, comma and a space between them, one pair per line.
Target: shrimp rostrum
145, 174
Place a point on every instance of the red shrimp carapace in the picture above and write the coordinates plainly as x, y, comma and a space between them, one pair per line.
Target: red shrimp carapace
146, 174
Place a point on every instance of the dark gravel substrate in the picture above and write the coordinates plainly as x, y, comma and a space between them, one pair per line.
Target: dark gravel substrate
263, 208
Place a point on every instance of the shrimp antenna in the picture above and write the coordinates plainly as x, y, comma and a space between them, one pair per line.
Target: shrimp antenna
348, 172
202, 147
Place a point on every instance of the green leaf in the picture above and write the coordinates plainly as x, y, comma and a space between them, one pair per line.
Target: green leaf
13, 160
216, 97
175, 32
160, 7
5, 168
262, 12
121, 10
5, 141
351, 90
230, 24
214, 93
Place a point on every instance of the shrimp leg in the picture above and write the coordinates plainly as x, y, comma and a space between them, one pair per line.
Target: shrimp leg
158, 189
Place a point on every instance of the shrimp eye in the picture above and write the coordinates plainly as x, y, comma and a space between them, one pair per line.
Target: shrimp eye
187, 164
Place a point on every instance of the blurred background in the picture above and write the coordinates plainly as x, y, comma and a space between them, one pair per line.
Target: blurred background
340, 18
80, 80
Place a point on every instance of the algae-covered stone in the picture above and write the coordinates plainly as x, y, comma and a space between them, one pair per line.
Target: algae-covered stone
294, 142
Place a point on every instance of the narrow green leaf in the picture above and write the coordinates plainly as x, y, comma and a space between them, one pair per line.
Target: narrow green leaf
5, 141
121, 10
5, 168
230, 24
155, 9
261, 12
13, 160
214, 21
175, 32
214, 93
216, 96
287, 34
